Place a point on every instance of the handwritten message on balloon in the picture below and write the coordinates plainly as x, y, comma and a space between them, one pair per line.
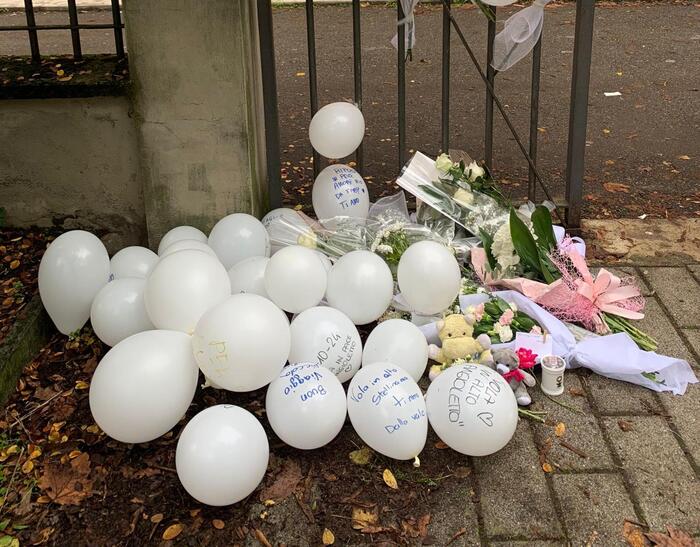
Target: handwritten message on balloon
303, 382
387, 410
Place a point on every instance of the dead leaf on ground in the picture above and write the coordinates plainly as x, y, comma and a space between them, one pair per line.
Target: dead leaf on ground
546, 467
560, 429
462, 472
674, 538
576, 392
285, 482
363, 518
390, 480
684, 157
362, 456
67, 485
158, 517
260, 536
172, 531
633, 535
327, 538
625, 425
616, 187
441, 445
218, 524
416, 528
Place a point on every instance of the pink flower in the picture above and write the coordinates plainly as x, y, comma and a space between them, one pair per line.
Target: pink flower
507, 317
479, 312
536, 330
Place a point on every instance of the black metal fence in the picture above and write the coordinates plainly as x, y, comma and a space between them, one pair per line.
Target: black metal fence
73, 25
578, 107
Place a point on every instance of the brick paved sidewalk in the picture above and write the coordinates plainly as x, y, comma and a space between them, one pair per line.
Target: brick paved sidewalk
646, 472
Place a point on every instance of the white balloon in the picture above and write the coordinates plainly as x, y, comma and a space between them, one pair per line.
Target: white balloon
327, 264
178, 233
133, 262
399, 342
337, 129
306, 406
243, 343
188, 244
237, 237
72, 271
327, 337
429, 277
339, 190
119, 310
361, 286
222, 455
472, 409
284, 226
182, 287
499, 2
387, 410
249, 276
143, 386
295, 278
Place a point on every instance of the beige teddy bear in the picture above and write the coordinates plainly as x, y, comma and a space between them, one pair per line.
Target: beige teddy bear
455, 333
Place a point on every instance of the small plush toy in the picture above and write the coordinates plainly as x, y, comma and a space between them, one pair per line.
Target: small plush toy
513, 367
455, 333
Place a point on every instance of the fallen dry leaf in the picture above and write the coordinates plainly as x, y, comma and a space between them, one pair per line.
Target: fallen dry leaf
684, 157
462, 472
416, 528
560, 429
362, 518
218, 524
285, 482
362, 456
576, 392
616, 187
674, 538
440, 445
172, 531
327, 538
158, 517
633, 535
389, 479
546, 467
260, 536
625, 425
67, 485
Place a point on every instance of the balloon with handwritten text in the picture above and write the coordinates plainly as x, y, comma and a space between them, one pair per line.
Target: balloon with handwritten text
472, 409
327, 337
387, 410
339, 190
306, 406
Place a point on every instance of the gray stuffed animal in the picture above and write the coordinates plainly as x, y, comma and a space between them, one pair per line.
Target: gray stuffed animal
508, 364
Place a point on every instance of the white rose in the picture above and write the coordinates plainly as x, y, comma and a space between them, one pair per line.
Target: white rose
505, 333
463, 197
307, 240
443, 163
476, 171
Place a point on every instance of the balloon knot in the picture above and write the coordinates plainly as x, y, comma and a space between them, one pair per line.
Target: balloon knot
416, 462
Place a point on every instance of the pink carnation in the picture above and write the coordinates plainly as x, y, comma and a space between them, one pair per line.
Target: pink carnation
479, 312
507, 317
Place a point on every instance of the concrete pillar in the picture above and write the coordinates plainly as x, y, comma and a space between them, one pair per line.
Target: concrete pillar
197, 89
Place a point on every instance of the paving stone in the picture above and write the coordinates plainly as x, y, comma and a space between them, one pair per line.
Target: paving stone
657, 324
662, 479
685, 412
451, 508
528, 543
594, 507
613, 397
515, 500
582, 431
695, 270
679, 291
693, 336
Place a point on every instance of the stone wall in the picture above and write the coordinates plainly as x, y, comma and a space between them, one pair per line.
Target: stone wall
72, 163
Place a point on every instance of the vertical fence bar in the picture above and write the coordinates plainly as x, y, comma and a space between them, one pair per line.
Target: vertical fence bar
74, 30
269, 85
578, 113
33, 37
445, 143
357, 71
534, 117
313, 84
118, 36
401, 65
491, 77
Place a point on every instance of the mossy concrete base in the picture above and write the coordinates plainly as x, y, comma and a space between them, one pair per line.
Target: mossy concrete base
31, 332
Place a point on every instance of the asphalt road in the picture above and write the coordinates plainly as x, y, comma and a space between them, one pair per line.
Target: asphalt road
650, 53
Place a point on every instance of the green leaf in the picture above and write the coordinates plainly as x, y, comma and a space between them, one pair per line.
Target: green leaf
524, 244
542, 226
3, 524
487, 241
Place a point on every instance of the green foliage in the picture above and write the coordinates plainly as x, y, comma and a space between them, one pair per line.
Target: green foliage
542, 226
487, 242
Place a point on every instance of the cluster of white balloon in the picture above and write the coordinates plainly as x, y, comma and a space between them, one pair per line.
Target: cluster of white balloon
217, 304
